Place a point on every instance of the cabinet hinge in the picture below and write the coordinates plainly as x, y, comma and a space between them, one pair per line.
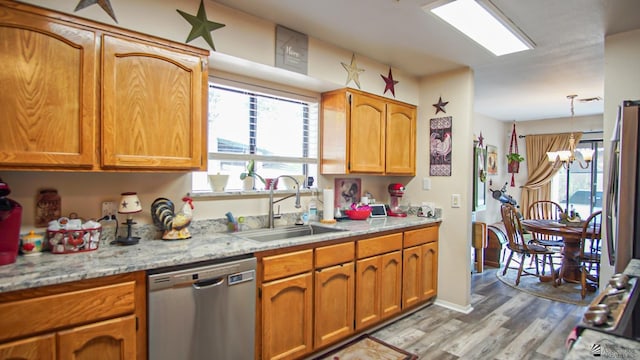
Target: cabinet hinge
349, 98
137, 324
259, 293
203, 64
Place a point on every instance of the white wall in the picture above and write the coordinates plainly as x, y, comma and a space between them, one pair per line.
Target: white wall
454, 273
621, 82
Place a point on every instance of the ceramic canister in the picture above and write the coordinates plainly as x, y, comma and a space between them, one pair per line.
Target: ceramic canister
31, 244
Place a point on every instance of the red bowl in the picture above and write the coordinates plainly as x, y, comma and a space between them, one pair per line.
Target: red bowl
358, 214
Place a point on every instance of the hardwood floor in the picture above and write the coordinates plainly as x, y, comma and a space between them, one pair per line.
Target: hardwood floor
505, 324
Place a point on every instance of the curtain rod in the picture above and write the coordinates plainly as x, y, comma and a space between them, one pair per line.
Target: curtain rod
584, 132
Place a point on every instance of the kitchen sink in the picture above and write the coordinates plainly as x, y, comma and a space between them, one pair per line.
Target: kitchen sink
287, 232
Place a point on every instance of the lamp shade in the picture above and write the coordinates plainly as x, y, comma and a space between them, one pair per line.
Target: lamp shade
129, 203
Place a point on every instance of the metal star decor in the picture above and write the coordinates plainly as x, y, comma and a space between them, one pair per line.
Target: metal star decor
104, 4
480, 140
440, 105
201, 26
353, 72
390, 83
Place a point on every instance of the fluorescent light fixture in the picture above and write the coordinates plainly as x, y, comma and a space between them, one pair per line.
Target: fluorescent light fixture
483, 23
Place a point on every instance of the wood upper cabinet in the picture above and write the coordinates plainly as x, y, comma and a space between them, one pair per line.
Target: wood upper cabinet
152, 101
48, 94
79, 95
401, 139
367, 134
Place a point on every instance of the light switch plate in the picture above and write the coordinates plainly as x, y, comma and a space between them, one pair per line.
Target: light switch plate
426, 184
455, 200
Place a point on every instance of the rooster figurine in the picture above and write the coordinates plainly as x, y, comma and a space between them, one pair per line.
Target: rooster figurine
175, 226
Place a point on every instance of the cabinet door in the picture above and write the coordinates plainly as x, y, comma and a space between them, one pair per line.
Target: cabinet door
367, 134
34, 348
368, 291
109, 340
401, 139
154, 107
48, 92
429, 274
411, 276
391, 284
286, 317
334, 304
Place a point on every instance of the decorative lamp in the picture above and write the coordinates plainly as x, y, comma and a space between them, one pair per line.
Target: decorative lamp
567, 157
129, 205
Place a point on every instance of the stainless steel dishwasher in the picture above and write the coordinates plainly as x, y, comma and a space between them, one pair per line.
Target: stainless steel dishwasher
203, 312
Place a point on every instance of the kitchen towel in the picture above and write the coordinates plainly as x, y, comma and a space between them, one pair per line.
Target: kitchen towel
327, 204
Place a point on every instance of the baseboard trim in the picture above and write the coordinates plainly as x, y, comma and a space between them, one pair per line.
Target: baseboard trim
455, 307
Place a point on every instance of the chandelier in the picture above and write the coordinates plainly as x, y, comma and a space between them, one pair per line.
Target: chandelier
567, 157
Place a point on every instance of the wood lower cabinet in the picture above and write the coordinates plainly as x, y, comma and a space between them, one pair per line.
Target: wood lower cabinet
318, 295
286, 306
363, 133
88, 96
334, 304
111, 339
34, 348
378, 279
101, 318
420, 266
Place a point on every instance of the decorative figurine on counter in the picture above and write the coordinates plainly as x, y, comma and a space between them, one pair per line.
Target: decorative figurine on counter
175, 226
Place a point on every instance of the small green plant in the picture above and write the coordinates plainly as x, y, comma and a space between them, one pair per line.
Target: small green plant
514, 157
251, 172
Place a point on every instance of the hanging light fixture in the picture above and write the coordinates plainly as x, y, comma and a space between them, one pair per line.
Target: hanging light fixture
567, 157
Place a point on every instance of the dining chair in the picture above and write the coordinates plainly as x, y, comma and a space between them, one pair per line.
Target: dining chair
546, 210
590, 251
518, 245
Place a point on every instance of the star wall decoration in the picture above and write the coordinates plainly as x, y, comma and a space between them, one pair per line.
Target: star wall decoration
353, 71
104, 4
480, 140
390, 83
201, 26
440, 105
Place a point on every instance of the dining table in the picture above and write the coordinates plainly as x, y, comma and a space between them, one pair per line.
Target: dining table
570, 235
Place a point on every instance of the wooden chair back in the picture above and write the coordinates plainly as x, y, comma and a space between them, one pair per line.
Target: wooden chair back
511, 220
547, 210
591, 235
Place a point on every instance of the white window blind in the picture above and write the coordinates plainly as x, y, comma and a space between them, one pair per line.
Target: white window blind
280, 133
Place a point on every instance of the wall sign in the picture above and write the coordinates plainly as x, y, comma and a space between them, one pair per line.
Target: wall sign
440, 146
292, 50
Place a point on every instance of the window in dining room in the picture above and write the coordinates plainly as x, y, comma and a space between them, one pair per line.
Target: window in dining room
578, 188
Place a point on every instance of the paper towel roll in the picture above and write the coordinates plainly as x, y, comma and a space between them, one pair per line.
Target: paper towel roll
327, 204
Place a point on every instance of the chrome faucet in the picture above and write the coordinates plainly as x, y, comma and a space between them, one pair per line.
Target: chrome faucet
271, 201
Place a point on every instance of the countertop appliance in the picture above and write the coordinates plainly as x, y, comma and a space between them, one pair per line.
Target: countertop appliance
10, 220
203, 312
396, 192
623, 192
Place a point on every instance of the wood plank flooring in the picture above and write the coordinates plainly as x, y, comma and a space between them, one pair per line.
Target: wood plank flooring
505, 324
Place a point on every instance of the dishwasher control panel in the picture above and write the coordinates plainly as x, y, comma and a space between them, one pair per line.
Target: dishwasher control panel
241, 277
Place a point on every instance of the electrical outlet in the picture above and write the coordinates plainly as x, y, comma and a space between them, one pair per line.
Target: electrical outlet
108, 208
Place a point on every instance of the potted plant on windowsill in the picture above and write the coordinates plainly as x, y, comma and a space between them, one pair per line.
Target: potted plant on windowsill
513, 162
250, 174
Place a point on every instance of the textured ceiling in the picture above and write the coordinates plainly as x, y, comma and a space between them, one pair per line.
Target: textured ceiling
568, 57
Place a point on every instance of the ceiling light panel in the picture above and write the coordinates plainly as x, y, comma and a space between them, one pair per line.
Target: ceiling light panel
492, 29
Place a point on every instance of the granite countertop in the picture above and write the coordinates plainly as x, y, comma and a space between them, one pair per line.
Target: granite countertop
49, 269
592, 343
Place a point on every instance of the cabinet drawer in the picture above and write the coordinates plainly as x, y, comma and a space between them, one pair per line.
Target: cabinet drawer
420, 236
379, 245
279, 266
55, 311
334, 254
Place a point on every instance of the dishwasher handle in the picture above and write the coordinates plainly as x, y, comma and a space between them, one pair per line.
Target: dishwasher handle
208, 283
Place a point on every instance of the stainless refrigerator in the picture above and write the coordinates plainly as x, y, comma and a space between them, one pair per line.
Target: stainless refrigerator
623, 193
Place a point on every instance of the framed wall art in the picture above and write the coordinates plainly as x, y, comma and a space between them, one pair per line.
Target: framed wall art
347, 192
479, 178
492, 160
440, 146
